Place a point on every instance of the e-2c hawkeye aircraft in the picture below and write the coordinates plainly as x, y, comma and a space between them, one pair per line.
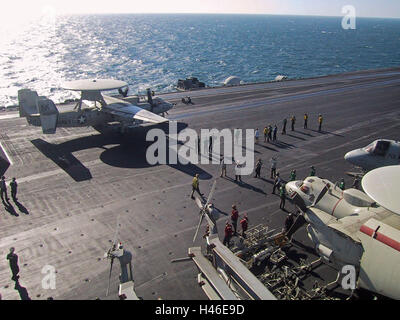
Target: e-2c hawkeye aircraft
354, 228
377, 154
98, 111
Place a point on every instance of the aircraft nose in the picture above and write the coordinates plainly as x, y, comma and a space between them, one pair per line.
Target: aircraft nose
358, 158
352, 156
290, 187
292, 191
348, 156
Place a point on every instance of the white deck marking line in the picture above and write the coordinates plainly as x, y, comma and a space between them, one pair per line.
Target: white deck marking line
86, 164
52, 172
7, 155
9, 116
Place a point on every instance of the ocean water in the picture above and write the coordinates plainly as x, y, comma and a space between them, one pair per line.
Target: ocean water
156, 50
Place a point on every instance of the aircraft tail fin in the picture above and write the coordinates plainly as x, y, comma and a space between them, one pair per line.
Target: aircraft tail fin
27, 102
48, 115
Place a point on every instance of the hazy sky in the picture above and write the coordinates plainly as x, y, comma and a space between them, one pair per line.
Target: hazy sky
24, 9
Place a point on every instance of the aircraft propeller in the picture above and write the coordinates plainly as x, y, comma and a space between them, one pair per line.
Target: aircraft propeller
298, 223
322, 193
300, 220
204, 208
110, 256
299, 202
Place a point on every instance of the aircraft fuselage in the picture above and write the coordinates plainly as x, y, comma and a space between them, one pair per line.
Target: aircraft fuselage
85, 118
379, 153
349, 229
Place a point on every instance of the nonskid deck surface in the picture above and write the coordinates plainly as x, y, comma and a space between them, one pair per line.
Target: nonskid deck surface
74, 184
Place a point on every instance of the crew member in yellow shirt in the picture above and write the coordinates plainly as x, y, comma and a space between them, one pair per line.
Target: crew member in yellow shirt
320, 122
195, 186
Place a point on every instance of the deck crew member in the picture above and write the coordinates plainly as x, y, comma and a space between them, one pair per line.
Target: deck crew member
244, 223
277, 183
207, 233
257, 135
265, 134
223, 166
341, 184
282, 194
149, 97
305, 120
320, 119
195, 186
228, 234
312, 171
289, 222
238, 173
292, 175
3, 189
269, 133
274, 131
293, 121
284, 126
356, 183
13, 186
234, 218
273, 167
258, 169
12, 257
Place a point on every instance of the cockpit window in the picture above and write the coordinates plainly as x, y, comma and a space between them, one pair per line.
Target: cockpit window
304, 188
378, 148
381, 148
370, 148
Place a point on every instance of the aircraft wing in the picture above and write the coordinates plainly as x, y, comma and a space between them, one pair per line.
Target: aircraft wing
129, 111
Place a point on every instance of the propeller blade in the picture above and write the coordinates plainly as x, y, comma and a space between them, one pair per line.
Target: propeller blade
211, 193
300, 221
198, 226
199, 203
116, 231
204, 209
109, 276
114, 245
298, 200
324, 190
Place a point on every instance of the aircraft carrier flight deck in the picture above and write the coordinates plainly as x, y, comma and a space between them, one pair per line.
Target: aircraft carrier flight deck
74, 184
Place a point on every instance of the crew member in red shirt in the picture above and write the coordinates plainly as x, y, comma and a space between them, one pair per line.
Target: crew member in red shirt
234, 218
244, 224
228, 234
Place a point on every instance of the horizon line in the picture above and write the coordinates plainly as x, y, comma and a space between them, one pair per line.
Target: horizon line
225, 13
